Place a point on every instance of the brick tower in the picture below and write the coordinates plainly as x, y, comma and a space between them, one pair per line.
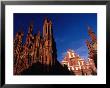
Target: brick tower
92, 35
49, 58
92, 46
38, 49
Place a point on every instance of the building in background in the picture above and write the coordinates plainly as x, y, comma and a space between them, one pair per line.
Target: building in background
79, 66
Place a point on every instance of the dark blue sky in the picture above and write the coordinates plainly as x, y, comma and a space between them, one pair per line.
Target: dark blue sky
70, 30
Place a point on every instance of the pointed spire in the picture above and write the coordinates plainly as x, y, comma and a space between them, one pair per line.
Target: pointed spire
92, 34
90, 30
32, 23
50, 22
31, 27
45, 20
38, 33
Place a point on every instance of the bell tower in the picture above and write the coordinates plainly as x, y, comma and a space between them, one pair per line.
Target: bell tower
48, 42
47, 29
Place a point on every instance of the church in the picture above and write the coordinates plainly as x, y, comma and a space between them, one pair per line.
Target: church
37, 48
78, 65
38, 54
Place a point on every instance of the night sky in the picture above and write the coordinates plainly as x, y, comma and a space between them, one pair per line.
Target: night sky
69, 29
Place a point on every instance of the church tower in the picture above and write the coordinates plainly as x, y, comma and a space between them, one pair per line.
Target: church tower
92, 35
89, 45
48, 43
47, 29
92, 46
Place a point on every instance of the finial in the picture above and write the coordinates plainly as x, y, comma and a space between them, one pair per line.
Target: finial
38, 32
50, 22
45, 20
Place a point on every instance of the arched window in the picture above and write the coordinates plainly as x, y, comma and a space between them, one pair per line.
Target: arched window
46, 30
46, 59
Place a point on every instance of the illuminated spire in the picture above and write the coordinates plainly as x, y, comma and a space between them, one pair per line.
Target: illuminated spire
92, 34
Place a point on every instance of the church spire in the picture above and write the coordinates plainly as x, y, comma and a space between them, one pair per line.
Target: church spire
47, 29
92, 34
30, 27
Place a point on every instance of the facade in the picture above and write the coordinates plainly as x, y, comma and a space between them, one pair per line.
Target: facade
78, 65
37, 48
42, 49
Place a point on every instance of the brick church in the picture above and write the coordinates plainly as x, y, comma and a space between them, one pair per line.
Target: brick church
37, 48
38, 54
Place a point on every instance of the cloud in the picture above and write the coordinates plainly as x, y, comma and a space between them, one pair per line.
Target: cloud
78, 46
82, 51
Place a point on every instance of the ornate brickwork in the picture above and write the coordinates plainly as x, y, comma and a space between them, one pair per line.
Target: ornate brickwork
92, 46
41, 49
37, 48
78, 65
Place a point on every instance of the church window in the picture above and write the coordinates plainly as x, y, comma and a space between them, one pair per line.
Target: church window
76, 68
46, 59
